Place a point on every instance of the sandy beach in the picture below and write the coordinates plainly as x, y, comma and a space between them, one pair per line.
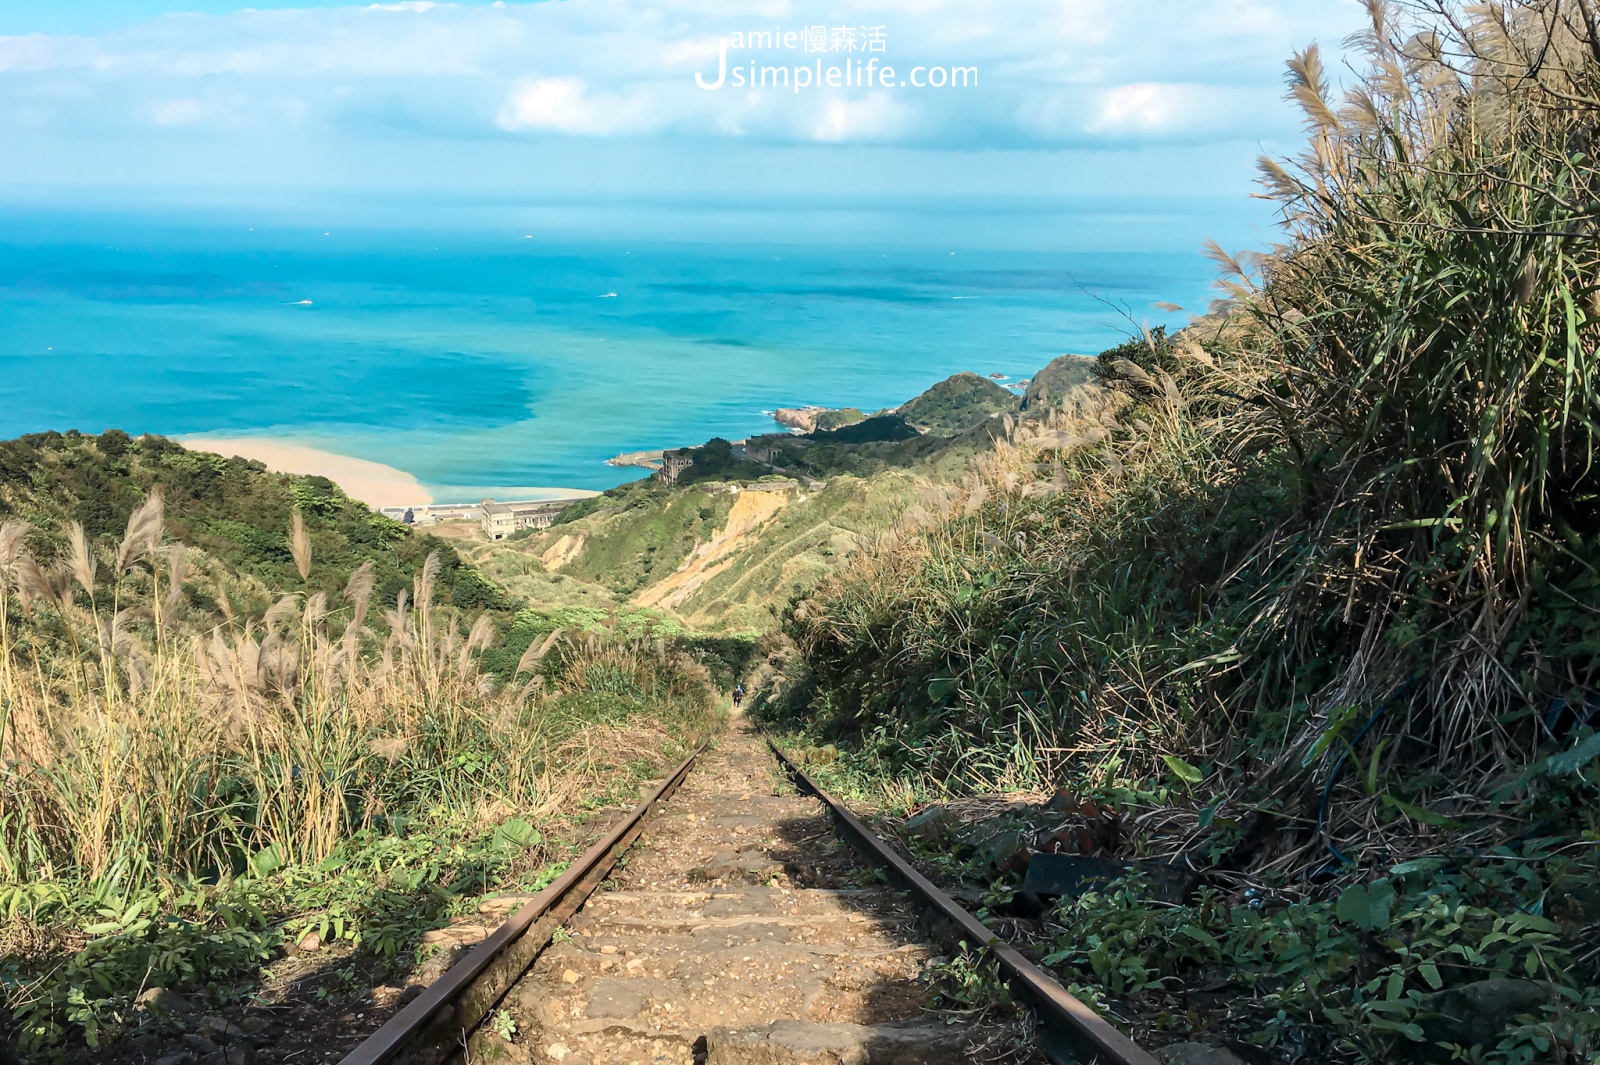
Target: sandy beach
372, 483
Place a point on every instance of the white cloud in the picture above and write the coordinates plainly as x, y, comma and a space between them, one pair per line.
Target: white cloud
875, 117
563, 105
185, 112
1052, 73
1148, 107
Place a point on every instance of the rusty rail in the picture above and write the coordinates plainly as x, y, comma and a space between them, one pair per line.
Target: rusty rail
1072, 1033
436, 1023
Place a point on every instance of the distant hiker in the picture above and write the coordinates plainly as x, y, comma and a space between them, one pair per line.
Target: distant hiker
738, 695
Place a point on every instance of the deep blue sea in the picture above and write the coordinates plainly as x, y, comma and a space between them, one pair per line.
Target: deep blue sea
505, 356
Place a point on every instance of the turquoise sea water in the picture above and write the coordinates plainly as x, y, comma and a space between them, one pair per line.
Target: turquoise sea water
498, 357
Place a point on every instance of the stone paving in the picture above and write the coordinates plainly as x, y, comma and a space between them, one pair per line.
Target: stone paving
741, 931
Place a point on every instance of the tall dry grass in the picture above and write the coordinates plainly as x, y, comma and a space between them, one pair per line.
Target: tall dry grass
1361, 492
143, 741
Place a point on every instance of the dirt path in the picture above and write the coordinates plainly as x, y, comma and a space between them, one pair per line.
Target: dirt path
740, 932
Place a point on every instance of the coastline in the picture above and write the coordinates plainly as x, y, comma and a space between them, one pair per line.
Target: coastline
372, 483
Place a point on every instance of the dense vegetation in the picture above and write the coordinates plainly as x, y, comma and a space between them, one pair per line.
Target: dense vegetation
1309, 590
230, 508
1304, 594
837, 419
1056, 382
958, 403
208, 755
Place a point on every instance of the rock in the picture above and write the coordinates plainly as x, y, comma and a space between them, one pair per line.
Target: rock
231, 1056
747, 864
617, 999
161, 1000
309, 942
252, 1025
200, 1044
1475, 1014
144, 1044
1574, 901
177, 1057
503, 906
814, 1043
1072, 875
1004, 842
570, 977
558, 1051
219, 1027
546, 1008
1004, 848
936, 824
456, 935
1196, 1054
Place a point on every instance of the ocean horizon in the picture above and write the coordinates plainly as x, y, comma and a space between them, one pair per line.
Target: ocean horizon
529, 351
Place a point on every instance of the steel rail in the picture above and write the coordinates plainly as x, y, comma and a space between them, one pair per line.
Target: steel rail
436, 1023
1063, 1018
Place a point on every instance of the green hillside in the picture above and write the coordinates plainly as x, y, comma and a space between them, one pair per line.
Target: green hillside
958, 403
1056, 381
230, 509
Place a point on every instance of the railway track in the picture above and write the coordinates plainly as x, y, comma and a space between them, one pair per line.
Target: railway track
730, 921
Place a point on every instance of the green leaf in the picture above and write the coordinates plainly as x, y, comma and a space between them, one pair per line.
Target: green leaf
1366, 906
1339, 719
266, 861
1183, 770
1531, 922
1571, 762
517, 834
1417, 813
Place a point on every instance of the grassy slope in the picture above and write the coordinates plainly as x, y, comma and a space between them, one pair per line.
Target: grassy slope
230, 509
1310, 600
631, 539
145, 778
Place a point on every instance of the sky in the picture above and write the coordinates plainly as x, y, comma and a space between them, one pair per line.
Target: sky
195, 102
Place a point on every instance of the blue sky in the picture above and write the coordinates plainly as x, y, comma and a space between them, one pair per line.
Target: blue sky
95, 16
106, 102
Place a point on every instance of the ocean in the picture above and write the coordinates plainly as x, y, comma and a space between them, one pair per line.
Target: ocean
516, 354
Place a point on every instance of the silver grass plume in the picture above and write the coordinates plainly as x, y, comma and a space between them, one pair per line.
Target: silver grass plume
300, 545
13, 548
81, 554
426, 581
316, 608
177, 573
1308, 87
358, 591
284, 610
143, 534
535, 653
29, 579
1132, 371
481, 635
